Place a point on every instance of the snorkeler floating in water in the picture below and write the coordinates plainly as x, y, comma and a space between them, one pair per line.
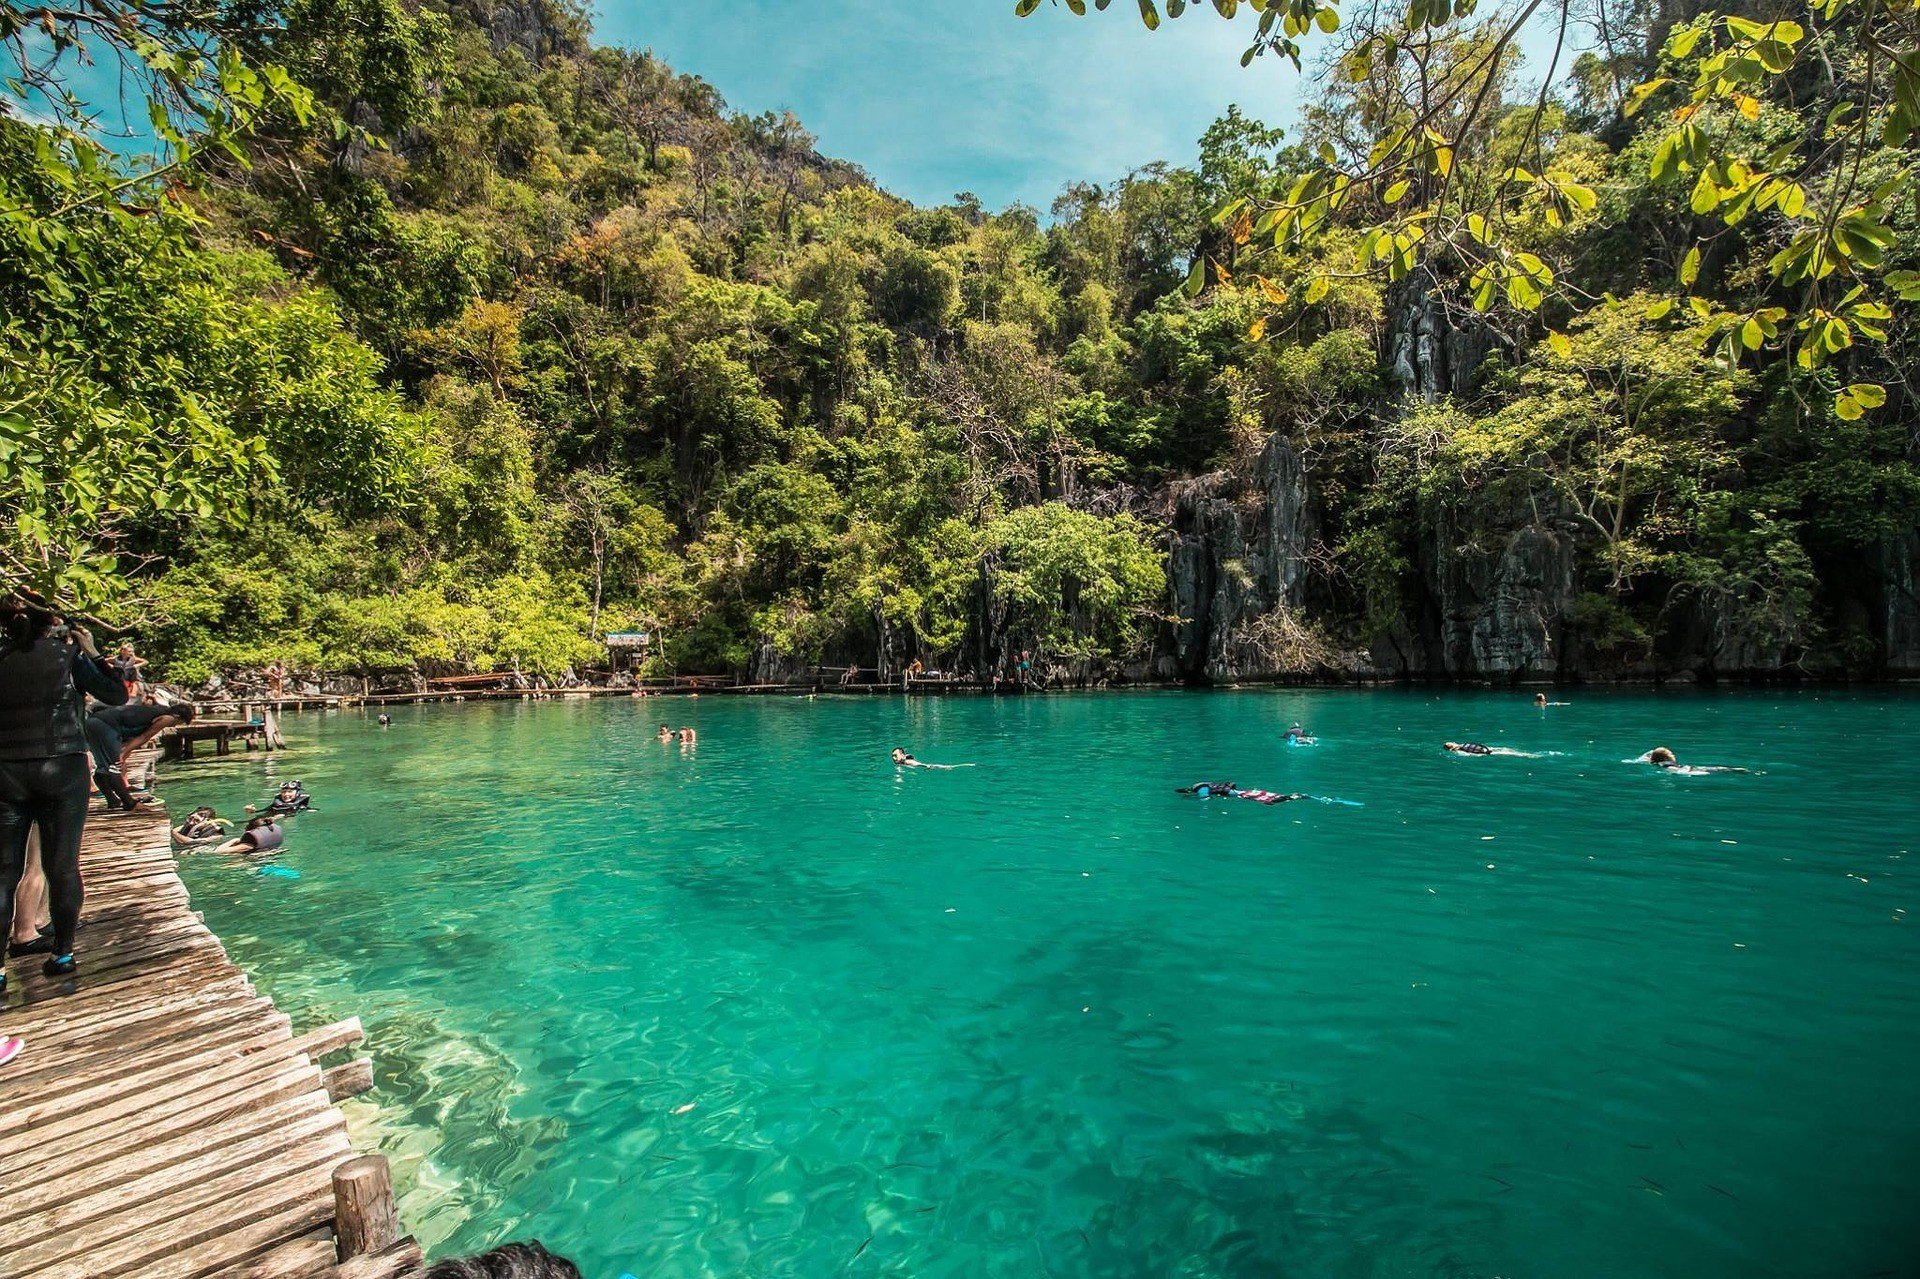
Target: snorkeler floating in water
1540, 700
1480, 748
291, 798
1298, 736
201, 827
1667, 762
902, 759
1207, 790
262, 835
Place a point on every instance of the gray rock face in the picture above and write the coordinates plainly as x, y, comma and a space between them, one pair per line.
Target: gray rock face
1706, 638
767, 665
536, 28
1238, 556
1500, 599
1432, 351
1900, 602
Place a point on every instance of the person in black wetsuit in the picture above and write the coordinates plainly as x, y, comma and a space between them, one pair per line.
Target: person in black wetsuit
1207, 790
44, 668
118, 731
1468, 748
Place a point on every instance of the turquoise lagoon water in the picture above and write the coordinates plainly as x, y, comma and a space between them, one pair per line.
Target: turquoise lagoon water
771, 1008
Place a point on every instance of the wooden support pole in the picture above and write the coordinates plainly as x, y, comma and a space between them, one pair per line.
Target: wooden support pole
364, 1218
349, 1079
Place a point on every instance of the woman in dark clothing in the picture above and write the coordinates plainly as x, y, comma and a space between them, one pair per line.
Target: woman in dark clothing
44, 668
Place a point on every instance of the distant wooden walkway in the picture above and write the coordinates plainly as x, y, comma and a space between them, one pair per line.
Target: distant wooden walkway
223, 733
164, 1122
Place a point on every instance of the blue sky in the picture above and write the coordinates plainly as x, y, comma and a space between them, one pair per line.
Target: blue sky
932, 97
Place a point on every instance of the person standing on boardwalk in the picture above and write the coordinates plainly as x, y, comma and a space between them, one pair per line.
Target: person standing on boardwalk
32, 930
128, 664
44, 668
276, 676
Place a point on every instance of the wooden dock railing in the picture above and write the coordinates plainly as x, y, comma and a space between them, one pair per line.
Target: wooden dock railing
164, 1122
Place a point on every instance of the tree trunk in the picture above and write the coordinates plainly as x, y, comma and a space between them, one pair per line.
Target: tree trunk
599, 568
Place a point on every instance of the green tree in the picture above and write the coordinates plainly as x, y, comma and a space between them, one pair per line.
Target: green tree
1404, 154
1081, 585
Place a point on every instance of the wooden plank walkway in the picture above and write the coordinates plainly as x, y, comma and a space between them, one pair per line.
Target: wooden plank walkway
163, 1121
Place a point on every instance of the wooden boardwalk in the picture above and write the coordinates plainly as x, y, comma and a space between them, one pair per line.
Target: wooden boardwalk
164, 1121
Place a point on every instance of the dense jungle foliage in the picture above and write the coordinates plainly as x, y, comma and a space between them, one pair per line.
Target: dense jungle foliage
460, 341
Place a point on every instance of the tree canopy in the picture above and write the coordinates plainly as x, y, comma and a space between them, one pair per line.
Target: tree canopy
438, 337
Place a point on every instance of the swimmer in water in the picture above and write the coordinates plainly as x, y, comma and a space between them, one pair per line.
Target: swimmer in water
687, 736
200, 827
1480, 748
1207, 790
1666, 761
664, 735
291, 798
384, 720
1298, 736
1540, 700
262, 835
901, 759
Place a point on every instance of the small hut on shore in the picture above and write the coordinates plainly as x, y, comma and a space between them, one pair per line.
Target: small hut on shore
627, 650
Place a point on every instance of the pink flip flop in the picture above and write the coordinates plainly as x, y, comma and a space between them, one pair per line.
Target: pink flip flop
10, 1046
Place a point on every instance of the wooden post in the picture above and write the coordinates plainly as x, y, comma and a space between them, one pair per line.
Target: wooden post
364, 1218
